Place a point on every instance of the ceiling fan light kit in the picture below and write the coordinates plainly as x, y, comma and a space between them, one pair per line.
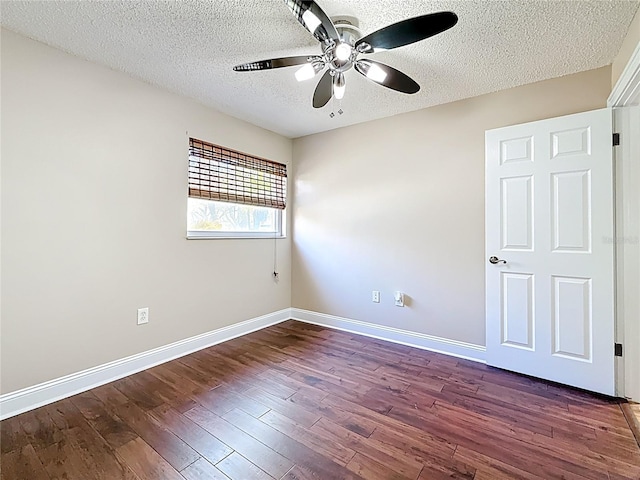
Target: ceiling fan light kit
338, 86
341, 43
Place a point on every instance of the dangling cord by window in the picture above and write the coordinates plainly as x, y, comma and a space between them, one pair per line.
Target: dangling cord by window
275, 257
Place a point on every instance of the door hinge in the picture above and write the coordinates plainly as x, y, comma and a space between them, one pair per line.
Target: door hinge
617, 350
616, 139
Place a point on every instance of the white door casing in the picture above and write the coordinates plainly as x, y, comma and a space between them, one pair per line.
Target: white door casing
626, 96
627, 162
550, 214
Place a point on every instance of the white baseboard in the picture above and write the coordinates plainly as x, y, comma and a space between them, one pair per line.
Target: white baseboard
20, 401
468, 351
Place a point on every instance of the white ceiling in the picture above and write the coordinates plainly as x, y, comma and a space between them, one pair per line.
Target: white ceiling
190, 47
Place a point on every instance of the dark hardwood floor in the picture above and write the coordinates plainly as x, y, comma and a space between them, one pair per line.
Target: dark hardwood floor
296, 401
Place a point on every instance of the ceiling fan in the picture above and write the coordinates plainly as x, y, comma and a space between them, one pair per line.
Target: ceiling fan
341, 43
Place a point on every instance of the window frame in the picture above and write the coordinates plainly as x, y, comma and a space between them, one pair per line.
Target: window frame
203, 154
281, 220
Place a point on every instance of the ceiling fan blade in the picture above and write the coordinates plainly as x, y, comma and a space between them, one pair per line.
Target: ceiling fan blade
313, 18
323, 91
274, 63
407, 31
387, 76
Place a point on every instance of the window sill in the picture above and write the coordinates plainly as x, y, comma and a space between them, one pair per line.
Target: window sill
231, 236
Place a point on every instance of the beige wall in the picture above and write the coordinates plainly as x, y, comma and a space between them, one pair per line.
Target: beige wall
626, 50
398, 204
94, 214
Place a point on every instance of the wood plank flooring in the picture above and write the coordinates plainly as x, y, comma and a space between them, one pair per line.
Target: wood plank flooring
299, 402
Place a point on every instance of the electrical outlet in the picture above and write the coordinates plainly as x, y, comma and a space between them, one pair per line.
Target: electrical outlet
375, 296
143, 315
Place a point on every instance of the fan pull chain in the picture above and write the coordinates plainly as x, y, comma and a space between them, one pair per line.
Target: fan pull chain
340, 111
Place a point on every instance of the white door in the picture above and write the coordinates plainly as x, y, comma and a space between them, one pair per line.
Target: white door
549, 215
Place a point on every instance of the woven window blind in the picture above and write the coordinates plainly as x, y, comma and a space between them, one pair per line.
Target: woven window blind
222, 174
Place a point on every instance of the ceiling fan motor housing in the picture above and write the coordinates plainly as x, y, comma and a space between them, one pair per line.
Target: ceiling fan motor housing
348, 29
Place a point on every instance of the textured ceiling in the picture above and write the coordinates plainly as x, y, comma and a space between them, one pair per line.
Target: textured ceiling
190, 47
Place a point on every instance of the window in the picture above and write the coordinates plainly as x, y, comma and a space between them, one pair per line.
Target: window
232, 194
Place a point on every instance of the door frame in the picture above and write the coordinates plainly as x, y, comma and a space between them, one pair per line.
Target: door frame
626, 93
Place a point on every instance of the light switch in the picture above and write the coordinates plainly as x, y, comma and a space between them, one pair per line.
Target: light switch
399, 299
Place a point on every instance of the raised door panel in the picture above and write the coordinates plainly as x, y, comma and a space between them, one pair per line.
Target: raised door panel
516, 222
571, 211
516, 150
572, 318
567, 143
517, 312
